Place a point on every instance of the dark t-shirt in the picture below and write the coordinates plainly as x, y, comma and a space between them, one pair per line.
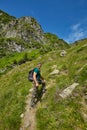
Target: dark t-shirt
37, 71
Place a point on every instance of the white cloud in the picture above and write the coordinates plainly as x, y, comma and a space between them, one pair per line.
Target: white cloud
75, 27
77, 32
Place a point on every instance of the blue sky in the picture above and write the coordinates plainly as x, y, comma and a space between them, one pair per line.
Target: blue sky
65, 18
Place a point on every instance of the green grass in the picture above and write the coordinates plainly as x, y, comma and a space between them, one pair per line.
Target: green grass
55, 113
8, 62
58, 114
13, 90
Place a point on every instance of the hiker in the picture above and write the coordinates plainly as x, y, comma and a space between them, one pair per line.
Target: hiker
37, 80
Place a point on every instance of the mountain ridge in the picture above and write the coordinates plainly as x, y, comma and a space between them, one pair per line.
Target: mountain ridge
24, 33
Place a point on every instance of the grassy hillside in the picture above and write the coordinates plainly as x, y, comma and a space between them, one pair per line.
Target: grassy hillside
56, 42
55, 113
10, 59
70, 113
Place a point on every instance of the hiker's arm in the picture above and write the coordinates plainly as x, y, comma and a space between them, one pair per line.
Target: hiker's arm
35, 80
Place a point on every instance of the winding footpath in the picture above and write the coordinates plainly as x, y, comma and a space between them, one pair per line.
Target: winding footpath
28, 119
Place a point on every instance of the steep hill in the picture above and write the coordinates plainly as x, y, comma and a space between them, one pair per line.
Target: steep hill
21, 34
55, 112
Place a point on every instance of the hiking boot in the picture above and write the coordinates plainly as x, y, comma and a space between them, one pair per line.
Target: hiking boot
32, 105
44, 90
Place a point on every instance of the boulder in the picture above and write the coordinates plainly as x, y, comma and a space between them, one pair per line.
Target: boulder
63, 53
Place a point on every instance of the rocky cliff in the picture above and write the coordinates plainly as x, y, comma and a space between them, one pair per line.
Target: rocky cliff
19, 34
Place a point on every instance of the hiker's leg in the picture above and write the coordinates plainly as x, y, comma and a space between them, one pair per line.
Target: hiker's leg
43, 86
34, 95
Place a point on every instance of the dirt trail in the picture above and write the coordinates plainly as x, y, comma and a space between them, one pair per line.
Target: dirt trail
29, 117
28, 120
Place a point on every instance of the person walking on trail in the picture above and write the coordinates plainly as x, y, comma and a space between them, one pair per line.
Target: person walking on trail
37, 80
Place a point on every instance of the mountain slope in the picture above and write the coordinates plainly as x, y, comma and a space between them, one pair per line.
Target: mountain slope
54, 113
69, 113
25, 33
